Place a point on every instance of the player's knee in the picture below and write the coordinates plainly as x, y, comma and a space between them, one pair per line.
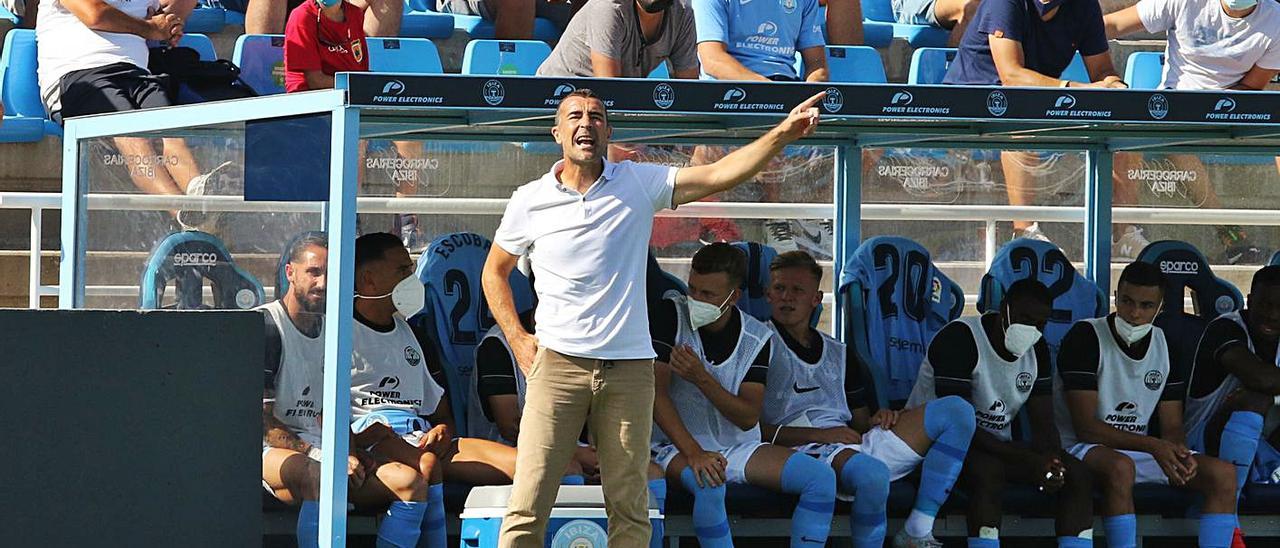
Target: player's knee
1078, 480
1118, 472
403, 481
1219, 474
869, 477
955, 412
809, 477
429, 465
655, 472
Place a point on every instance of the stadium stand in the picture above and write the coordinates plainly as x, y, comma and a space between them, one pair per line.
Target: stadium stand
855, 64
929, 66
896, 300
473, 25
405, 55
189, 258
506, 57
24, 118
261, 59
919, 36
423, 23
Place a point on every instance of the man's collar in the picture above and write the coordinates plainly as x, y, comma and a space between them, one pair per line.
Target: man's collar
608, 173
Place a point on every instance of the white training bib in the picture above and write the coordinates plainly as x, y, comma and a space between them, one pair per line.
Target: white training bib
799, 393
705, 423
999, 387
300, 380
478, 425
1128, 390
388, 372
1200, 410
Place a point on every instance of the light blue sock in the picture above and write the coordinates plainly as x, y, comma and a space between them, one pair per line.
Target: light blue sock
949, 422
658, 487
975, 542
1240, 442
1216, 530
1074, 542
434, 534
573, 479
867, 479
815, 482
401, 526
710, 521
309, 525
1122, 530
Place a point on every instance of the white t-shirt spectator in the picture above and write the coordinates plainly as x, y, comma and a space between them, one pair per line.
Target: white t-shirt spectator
588, 254
1209, 49
66, 44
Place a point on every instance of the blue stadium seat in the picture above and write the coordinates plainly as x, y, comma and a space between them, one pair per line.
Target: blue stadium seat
1144, 69
878, 10
424, 23
1074, 297
660, 72
1275, 259
855, 64
879, 13
929, 65
922, 36
405, 55
877, 34
752, 300
24, 118
1076, 71
892, 291
261, 61
205, 19
456, 315
506, 57
478, 28
201, 44
188, 259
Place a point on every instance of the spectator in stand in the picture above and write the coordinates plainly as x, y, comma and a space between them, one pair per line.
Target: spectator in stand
626, 38
513, 19
93, 61
1030, 43
953, 15
381, 17
1212, 45
759, 40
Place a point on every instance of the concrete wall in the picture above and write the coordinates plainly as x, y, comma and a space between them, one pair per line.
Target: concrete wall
130, 429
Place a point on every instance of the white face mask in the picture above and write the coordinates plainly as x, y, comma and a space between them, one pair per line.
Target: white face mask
1130, 333
1019, 337
408, 296
1239, 5
702, 314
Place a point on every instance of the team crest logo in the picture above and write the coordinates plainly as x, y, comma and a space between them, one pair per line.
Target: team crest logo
1158, 106
664, 96
1023, 382
580, 533
997, 103
787, 5
1224, 304
494, 92
412, 356
357, 50
1153, 379
834, 101
245, 299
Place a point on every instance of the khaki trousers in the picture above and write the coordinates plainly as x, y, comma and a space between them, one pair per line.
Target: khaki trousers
615, 399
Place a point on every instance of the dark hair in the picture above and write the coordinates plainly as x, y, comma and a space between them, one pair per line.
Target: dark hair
585, 93
1028, 290
1142, 274
797, 259
721, 257
302, 241
374, 246
1267, 276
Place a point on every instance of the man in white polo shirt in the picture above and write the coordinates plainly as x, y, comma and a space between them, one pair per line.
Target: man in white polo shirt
586, 227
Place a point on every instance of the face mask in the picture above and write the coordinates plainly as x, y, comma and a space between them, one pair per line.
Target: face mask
1239, 5
701, 314
1130, 333
1019, 337
409, 295
1043, 8
655, 6
328, 3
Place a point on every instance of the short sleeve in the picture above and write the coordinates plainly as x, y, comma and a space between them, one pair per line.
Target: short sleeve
1093, 32
855, 394
1156, 15
274, 350
1271, 59
1044, 370
1078, 358
811, 27
1002, 19
759, 370
659, 183
711, 19
684, 51
607, 25
513, 232
662, 328
1175, 388
496, 373
301, 44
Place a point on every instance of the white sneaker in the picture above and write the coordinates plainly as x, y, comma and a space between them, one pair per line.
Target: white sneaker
1032, 232
903, 540
1130, 244
213, 183
779, 235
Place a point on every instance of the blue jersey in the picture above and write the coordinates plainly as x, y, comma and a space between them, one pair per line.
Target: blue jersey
907, 300
1075, 298
763, 35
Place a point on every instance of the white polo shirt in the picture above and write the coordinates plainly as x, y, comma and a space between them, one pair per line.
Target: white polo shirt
588, 254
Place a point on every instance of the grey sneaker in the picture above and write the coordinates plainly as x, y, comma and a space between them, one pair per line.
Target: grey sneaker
1130, 244
779, 235
215, 182
903, 540
1033, 232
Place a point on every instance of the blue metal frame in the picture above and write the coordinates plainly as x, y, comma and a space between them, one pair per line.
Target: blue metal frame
848, 221
1097, 226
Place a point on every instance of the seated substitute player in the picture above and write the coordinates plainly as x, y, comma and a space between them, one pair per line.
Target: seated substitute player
1234, 379
709, 410
291, 412
813, 385
396, 403
998, 362
1115, 378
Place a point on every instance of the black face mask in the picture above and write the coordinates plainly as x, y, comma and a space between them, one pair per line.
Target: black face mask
654, 6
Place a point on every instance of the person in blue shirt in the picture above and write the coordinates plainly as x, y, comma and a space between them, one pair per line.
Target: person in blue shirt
1030, 43
758, 39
